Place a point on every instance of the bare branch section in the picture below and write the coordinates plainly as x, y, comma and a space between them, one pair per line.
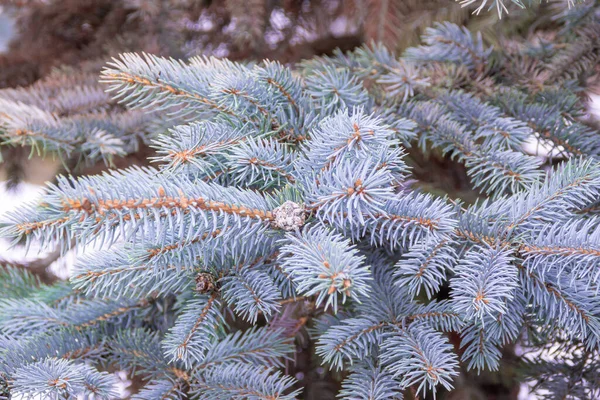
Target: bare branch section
38, 267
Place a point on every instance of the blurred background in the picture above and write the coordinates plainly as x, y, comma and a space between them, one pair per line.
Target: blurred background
51, 43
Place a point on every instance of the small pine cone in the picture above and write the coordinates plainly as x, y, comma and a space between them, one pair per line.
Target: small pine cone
205, 283
289, 216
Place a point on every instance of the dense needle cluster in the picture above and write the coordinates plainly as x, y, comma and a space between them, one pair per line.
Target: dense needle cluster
281, 206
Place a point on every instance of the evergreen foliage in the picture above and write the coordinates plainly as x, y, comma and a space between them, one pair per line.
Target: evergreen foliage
68, 115
281, 203
501, 5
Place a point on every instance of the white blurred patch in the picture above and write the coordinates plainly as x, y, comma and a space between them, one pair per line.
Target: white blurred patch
7, 28
595, 104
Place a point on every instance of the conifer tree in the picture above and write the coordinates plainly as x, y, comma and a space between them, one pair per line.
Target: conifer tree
282, 207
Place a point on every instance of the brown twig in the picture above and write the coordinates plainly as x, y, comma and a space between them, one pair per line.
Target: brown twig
38, 267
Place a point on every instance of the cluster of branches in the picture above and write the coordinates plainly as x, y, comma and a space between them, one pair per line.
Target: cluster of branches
69, 116
281, 205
